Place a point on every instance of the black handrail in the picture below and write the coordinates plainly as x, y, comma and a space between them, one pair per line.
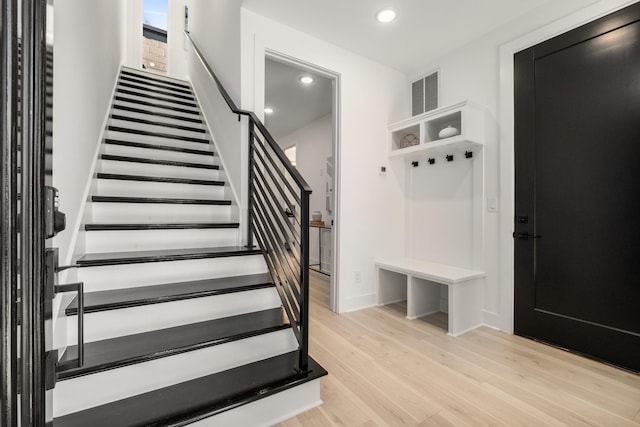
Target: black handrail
277, 216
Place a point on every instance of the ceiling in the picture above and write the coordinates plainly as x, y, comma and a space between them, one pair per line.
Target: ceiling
423, 29
295, 105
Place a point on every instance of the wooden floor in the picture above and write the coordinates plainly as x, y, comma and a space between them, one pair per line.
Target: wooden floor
385, 370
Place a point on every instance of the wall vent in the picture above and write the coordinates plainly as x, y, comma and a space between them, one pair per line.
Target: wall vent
425, 94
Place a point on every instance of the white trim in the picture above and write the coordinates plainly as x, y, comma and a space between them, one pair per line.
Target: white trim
507, 168
335, 295
359, 302
270, 410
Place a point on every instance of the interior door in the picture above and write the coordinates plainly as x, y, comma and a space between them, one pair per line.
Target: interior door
577, 159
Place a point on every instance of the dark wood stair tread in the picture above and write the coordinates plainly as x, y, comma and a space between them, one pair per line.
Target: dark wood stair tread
158, 147
135, 257
125, 177
148, 82
119, 199
156, 113
145, 295
130, 349
155, 98
158, 134
199, 398
156, 123
156, 105
157, 226
138, 86
130, 159
147, 76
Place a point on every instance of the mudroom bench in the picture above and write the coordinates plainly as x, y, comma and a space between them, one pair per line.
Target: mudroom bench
419, 283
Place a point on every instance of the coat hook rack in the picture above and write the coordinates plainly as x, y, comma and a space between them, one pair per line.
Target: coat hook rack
431, 160
415, 164
468, 154
449, 157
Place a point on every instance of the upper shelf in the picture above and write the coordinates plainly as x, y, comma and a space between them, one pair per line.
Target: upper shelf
458, 125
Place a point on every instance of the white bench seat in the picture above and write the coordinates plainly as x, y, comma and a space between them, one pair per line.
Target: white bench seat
418, 282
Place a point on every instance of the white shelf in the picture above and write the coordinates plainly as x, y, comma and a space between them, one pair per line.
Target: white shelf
467, 117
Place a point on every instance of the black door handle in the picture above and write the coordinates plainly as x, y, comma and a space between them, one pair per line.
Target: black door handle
525, 236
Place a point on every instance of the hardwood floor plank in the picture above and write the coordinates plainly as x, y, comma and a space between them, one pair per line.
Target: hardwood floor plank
385, 370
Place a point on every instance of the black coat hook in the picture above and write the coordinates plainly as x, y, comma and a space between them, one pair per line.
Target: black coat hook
415, 164
468, 154
449, 157
431, 160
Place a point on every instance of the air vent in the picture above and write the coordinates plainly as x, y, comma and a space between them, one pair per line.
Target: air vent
424, 94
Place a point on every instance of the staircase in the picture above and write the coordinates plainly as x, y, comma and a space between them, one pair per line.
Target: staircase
181, 324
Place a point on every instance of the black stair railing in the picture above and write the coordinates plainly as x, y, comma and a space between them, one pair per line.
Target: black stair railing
277, 216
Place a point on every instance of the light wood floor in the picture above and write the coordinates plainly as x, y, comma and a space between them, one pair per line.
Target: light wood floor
385, 370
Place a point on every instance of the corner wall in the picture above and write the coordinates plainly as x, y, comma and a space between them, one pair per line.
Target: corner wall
88, 51
372, 96
215, 28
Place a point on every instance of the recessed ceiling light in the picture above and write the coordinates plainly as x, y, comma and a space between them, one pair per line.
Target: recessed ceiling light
386, 15
268, 110
306, 80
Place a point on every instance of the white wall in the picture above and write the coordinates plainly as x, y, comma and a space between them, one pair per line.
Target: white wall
215, 28
313, 145
473, 73
87, 56
372, 96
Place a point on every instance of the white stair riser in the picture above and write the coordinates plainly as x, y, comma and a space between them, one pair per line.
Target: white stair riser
164, 101
193, 115
88, 391
125, 136
115, 187
128, 321
156, 128
143, 240
146, 274
148, 153
149, 169
146, 213
270, 410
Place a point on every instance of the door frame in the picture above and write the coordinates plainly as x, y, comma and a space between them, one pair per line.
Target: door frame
334, 293
506, 117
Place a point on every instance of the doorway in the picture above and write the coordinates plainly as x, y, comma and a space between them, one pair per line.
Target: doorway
301, 112
576, 184
155, 24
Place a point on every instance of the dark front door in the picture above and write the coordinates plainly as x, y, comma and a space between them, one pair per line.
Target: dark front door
577, 157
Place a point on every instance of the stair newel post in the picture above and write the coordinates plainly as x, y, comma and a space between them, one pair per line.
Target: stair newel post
304, 281
250, 186
32, 236
9, 212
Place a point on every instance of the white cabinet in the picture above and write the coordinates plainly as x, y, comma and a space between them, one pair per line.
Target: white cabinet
465, 122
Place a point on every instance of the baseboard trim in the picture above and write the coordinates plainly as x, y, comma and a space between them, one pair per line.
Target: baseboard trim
359, 302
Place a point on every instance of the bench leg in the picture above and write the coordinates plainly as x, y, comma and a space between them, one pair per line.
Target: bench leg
465, 306
423, 298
